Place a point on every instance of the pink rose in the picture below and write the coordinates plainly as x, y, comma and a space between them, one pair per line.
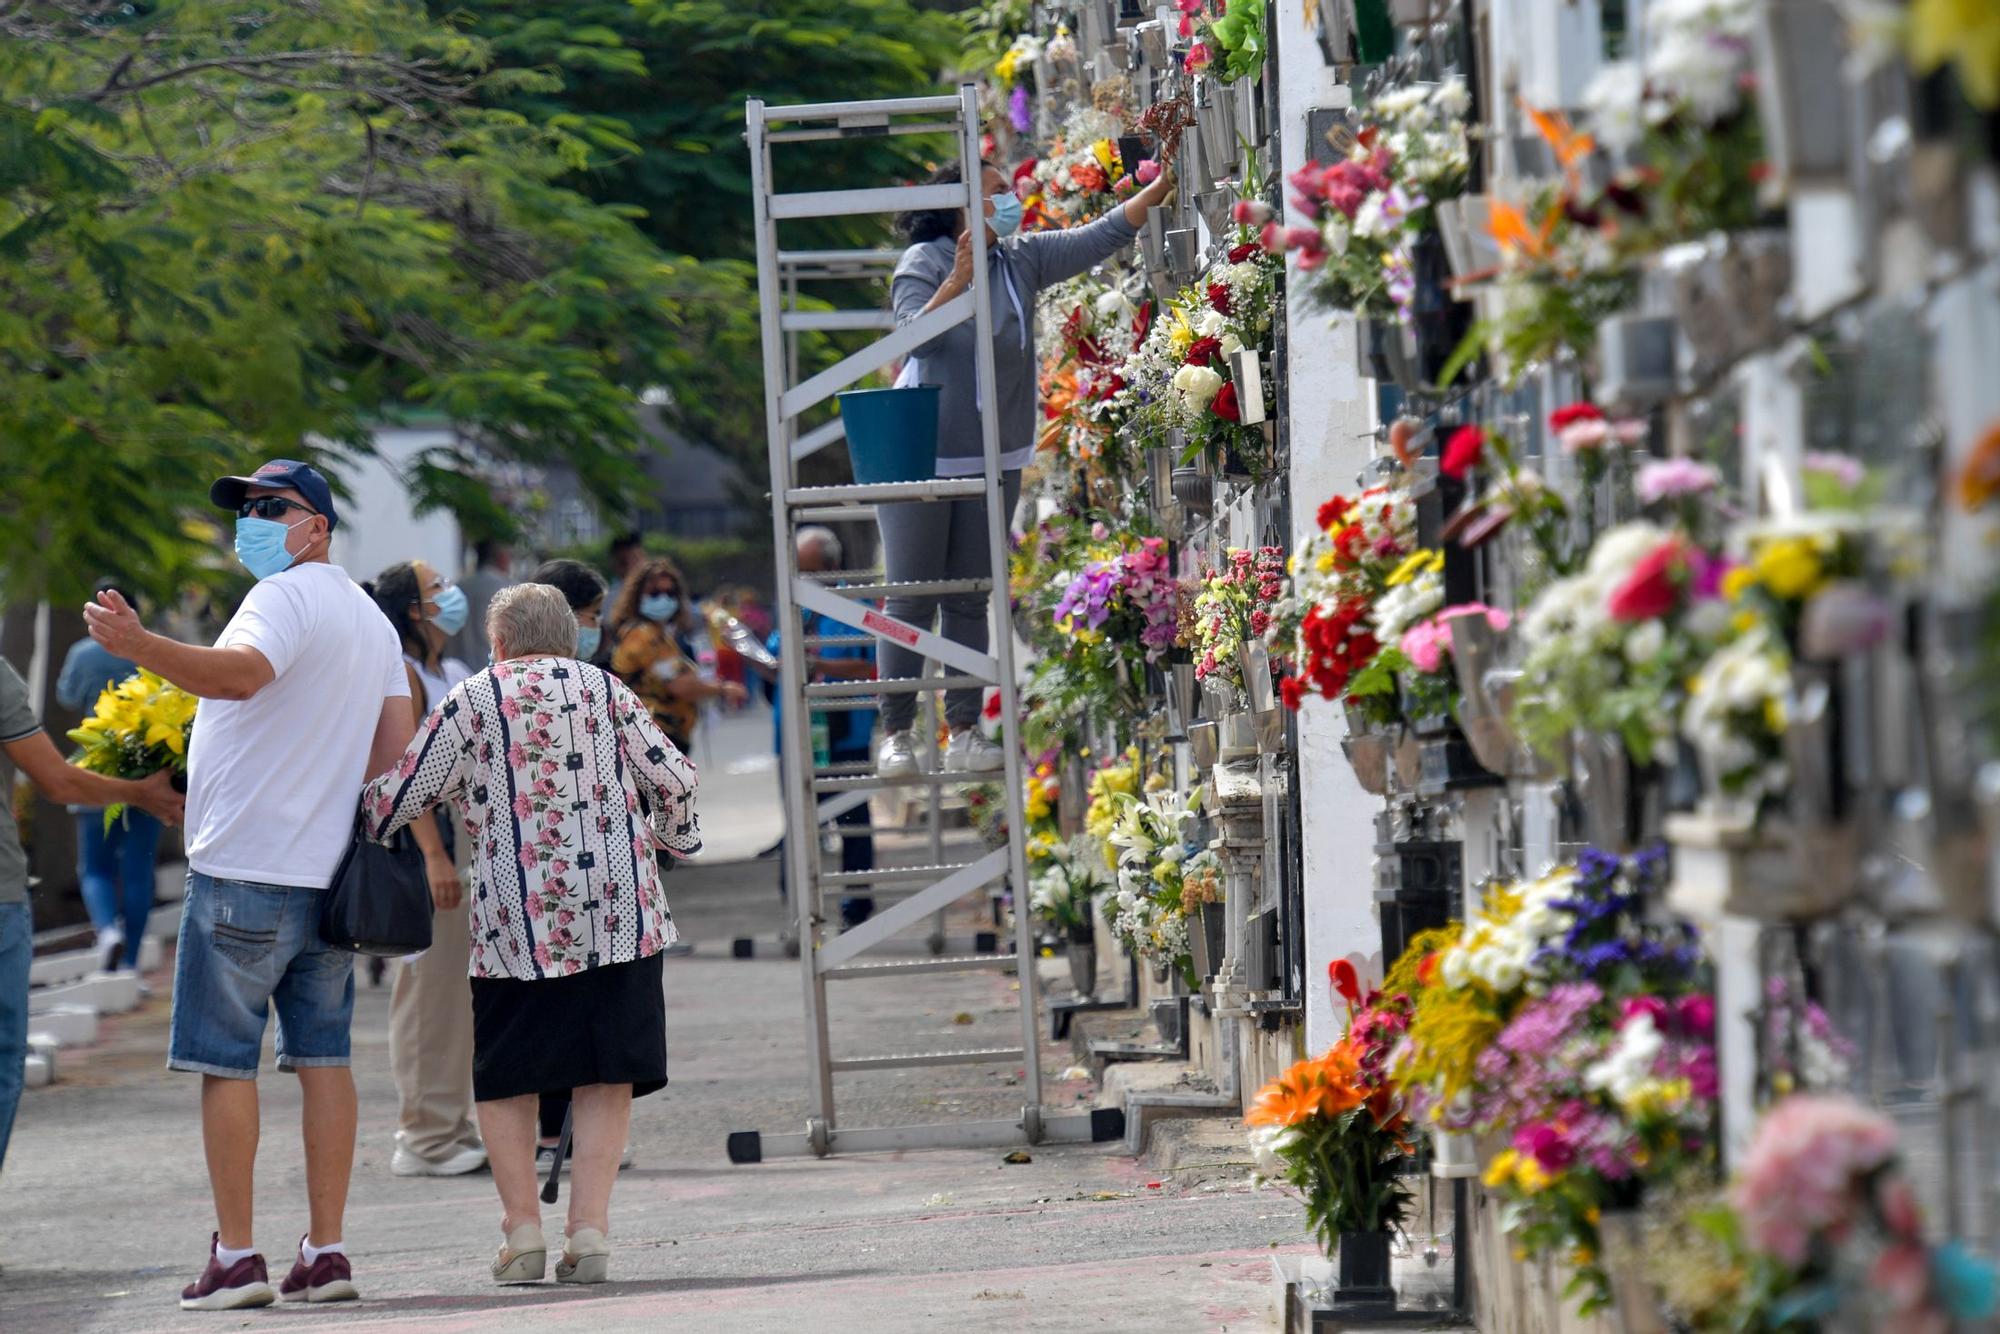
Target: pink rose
1251, 212
1697, 1016
1652, 1007
1199, 58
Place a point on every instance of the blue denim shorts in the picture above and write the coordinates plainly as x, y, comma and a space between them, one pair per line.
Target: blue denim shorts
244, 948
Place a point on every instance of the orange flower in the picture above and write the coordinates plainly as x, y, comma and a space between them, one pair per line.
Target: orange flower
1325, 1087
1979, 480
1569, 146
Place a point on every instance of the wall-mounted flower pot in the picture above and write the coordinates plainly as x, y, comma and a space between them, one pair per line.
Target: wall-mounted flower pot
1207, 936
1637, 364
1153, 47
1254, 661
1216, 122
1214, 207
1183, 253
1448, 764
1368, 752
1205, 741
1195, 490
1180, 700
1454, 1155
1083, 959
1727, 296
1469, 246
1385, 352
1608, 791
1246, 372
1437, 319
1239, 737
1153, 241
1409, 759
1803, 103
1170, 1018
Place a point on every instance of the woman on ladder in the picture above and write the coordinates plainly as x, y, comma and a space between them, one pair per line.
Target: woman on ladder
947, 540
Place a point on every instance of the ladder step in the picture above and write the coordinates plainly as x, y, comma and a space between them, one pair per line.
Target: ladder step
862, 129
889, 874
915, 588
839, 641
835, 321
884, 199
978, 1056
961, 963
840, 576
894, 685
940, 105
885, 493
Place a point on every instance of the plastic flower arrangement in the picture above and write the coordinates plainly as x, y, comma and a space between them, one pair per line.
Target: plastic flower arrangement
1326, 626
1473, 454
1151, 837
1370, 207
1119, 777
138, 727
1561, 1020
1612, 648
1823, 1224
1180, 377
1738, 706
1080, 177
1112, 616
1232, 609
1098, 325
1334, 1129
1065, 883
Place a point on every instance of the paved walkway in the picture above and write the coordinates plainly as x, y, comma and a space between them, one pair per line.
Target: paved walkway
104, 1210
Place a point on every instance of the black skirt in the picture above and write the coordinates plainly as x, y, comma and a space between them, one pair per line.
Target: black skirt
605, 1025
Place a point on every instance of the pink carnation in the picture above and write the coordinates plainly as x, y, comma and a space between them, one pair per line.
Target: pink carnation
1425, 645
1803, 1170
1671, 479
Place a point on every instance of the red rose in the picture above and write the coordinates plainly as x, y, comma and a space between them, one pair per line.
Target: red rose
1218, 297
1237, 254
1463, 451
1654, 585
1575, 412
1224, 405
1201, 350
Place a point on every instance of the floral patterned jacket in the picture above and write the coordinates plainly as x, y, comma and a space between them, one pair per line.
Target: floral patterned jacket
547, 759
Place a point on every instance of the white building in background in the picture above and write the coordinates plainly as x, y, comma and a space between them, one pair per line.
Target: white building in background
379, 525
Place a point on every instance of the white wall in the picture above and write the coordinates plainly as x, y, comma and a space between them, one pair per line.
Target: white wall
1332, 411
377, 526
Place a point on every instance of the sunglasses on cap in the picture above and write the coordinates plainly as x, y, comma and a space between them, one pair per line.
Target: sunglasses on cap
270, 507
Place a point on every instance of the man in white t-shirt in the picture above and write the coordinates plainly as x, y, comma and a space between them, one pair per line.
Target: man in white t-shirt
303, 698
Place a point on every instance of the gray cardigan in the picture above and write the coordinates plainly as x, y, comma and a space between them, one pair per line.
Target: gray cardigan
1019, 267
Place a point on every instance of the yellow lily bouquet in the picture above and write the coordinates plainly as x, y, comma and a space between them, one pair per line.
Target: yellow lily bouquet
139, 727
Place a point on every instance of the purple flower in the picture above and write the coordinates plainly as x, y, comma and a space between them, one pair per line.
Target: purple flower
1842, 469
1018, 110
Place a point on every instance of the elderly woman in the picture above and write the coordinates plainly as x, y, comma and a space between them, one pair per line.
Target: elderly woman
554, 764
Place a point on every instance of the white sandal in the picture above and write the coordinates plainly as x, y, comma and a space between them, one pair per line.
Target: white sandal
524, 1256
586, 1257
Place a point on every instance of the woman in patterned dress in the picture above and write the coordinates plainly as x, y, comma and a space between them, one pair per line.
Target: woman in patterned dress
548, 758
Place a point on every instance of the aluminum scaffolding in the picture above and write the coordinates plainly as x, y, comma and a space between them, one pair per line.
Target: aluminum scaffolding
815, 794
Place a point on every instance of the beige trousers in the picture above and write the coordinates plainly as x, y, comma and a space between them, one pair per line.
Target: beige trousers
430, 1037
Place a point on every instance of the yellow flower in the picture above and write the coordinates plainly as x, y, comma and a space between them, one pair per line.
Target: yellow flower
1740, 580
1790, 567
1743, 622
1965, 32
1775, 719
1501, 1170
1106, 154
1324, 564
1528, 1174
1416, 563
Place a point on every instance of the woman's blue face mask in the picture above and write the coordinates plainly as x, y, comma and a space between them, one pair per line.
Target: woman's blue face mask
659, 607
452, 609
1006, 219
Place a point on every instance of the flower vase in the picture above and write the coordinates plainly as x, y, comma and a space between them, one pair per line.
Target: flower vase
1083, 958
1208, 939
1454, 1155
1205, 741
1364, 1270
1239, 736
1170, 1016
1437, 319
1619, 801
1409, 759
1622, 1251
1368, 751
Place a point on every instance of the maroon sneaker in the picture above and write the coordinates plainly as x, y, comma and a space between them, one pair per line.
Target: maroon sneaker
245, 1283
327, 1279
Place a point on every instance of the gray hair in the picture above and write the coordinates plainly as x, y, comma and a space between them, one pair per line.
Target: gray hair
825, 539
532, 621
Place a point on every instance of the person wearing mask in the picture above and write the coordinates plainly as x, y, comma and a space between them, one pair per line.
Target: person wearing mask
551, 762
430, 1004
115, 861
583, 588
492, 570
848, 731
302, 697
24, 745
924, 540
648, 623
628, 553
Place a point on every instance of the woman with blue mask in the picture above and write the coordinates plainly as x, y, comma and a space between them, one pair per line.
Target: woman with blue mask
653, 611
430, 1001
947, 539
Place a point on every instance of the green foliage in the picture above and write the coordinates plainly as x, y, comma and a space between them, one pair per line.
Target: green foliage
1239, 34
232, 231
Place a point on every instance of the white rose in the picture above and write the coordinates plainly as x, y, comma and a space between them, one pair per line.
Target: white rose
1211, 324
1645, 642
1111, 305
1231, 344
1198, 385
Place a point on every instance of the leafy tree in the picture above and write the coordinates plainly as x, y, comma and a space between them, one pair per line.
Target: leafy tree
227, 227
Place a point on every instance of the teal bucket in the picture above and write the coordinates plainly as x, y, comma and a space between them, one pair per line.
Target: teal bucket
892, 434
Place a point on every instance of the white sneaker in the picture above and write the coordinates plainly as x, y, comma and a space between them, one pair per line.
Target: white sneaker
896, 756
969, 752
470, 1158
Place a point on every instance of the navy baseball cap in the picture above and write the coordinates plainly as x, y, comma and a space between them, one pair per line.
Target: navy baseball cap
229, 492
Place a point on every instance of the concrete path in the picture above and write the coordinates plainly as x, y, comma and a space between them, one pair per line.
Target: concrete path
104, 1211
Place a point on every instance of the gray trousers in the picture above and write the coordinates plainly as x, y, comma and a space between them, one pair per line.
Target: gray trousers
944, 539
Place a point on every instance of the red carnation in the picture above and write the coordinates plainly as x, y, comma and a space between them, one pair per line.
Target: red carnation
1218, 297
1575, 412
1462, 452
1237, 254
1202, 350
1332, 512
1292, 691
1224, 405
1654, 585
1025, 169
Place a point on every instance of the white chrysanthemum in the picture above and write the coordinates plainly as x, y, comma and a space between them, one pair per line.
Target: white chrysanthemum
1452, 98
1616, 100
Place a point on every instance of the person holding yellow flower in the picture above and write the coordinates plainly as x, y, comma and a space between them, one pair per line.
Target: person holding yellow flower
27, 746
944, 540
114, 859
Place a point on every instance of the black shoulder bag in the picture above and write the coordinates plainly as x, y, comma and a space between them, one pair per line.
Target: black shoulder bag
379, 902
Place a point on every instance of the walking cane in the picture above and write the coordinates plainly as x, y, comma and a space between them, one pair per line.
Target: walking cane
556, 1160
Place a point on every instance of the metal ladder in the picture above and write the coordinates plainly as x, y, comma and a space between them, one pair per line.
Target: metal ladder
815, 794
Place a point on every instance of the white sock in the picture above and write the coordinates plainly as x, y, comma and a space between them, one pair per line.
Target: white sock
310, 1253
226, 1257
